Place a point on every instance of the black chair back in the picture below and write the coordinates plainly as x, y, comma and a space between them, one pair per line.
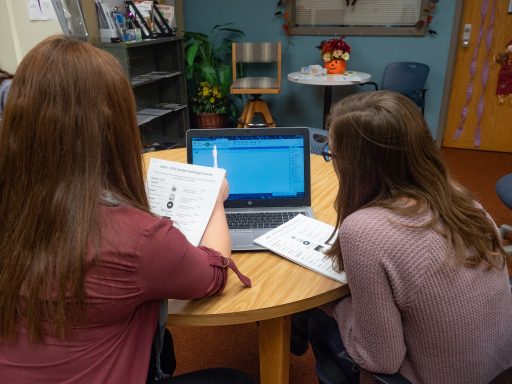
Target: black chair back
408, 78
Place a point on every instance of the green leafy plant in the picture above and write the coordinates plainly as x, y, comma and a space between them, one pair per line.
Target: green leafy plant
208, 66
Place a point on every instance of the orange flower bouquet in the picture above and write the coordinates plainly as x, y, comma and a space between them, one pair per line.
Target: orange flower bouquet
335, 53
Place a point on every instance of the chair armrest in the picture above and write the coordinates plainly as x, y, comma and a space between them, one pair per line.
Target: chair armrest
372, 83
380, 377
390, 379
344, 356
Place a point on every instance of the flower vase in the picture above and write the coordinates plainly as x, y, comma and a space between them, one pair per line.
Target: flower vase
336, 66
211, 120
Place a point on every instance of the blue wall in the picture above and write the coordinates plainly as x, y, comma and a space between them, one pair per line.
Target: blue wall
302, 105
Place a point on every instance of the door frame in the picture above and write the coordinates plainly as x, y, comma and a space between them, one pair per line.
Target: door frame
450, 69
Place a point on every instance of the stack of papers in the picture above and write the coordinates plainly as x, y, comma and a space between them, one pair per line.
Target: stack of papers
153, 111
353, 78
304, 241
151, 77
144, 119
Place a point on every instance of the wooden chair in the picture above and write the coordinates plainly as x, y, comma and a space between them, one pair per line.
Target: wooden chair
247, 53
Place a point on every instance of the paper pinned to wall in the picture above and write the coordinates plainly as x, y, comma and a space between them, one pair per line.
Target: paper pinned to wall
41, 10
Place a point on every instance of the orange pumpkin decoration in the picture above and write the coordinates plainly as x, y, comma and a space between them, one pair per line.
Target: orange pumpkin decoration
336, 66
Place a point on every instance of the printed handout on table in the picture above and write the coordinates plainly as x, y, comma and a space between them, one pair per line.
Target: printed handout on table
303, 240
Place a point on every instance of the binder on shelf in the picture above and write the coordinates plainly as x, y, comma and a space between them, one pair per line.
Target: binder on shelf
152, 21
162, 26
139, 20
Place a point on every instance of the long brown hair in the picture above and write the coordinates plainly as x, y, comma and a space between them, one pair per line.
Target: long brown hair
69, 137
383, 151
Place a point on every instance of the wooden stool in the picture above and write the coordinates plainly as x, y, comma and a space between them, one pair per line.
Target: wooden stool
255, 105
243, 56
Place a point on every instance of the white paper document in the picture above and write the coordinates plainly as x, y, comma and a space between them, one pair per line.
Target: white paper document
347, 77
153, 111
41, 10
185, 193
303, 240
143, 119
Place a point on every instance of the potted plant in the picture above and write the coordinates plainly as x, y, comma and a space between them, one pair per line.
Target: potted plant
210, 105
209, 75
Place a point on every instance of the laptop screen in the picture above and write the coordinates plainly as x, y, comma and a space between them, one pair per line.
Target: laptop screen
265, 166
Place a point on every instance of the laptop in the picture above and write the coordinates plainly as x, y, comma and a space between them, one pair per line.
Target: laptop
268, 171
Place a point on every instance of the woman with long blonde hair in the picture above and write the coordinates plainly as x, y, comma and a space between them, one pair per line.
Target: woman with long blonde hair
430, 295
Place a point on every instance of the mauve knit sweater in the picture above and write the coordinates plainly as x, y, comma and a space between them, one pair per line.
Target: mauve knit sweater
412, 309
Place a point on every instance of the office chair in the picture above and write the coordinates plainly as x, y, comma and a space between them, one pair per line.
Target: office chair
244, 54
211, 376
504, 192
504, 377
203, 376
317, 140
407, 78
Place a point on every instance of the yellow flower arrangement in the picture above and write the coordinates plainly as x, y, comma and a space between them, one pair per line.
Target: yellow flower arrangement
209, 98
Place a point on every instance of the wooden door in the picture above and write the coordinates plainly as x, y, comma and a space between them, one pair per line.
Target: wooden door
495, 118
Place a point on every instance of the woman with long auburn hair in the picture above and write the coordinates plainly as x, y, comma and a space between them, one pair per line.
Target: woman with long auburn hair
429, 290
83, 264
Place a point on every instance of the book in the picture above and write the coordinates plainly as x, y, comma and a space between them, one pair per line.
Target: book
185, 193
304, 241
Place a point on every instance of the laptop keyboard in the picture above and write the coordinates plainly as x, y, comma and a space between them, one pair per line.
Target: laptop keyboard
247, 220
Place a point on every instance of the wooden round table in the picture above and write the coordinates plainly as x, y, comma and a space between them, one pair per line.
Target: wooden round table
280, 287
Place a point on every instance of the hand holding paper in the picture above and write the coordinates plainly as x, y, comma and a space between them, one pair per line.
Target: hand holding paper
224, 191
186, 193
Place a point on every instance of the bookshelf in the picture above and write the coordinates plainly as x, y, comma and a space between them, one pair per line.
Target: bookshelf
155, 68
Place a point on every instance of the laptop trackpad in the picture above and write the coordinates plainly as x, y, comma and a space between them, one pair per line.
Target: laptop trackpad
243, 239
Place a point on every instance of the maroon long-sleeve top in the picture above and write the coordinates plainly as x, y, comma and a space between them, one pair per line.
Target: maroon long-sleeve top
142, 260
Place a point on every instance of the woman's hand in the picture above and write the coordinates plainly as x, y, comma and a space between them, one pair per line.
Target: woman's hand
217, 235
223, 192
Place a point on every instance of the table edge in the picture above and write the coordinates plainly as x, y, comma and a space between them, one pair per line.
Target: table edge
324, 82
259, 314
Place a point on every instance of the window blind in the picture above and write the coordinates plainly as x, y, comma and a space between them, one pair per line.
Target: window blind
324, 13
